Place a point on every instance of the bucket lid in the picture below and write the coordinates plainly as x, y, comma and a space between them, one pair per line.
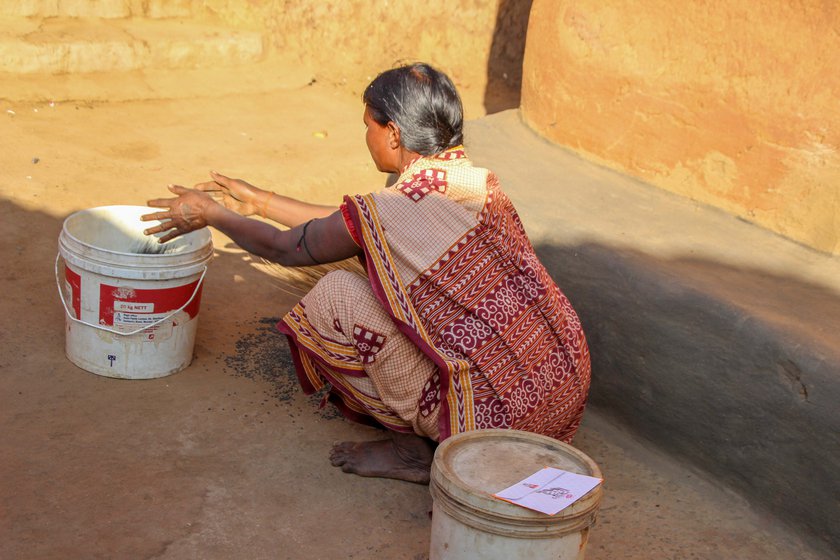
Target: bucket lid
470, 467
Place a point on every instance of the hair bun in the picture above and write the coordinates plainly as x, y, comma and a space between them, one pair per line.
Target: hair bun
424, 104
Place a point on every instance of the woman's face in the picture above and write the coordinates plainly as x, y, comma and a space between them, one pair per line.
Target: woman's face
381, 144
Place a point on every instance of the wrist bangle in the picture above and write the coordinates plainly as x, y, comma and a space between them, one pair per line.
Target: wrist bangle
261, 210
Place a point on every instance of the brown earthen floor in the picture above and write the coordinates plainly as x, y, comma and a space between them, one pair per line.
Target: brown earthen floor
227, 459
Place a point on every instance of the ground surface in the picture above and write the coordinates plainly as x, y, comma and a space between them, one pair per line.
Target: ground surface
227, 459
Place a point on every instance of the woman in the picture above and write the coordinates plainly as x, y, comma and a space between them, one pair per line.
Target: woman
457, 325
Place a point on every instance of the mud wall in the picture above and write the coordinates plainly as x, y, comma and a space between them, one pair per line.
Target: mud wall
479, 43
728, 103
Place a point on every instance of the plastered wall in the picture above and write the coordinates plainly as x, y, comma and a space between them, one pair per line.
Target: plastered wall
479, 43
735, 104
350, 41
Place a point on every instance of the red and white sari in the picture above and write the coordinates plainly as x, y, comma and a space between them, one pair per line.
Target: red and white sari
457, 326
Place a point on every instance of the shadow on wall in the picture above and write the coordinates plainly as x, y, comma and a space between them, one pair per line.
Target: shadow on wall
733, 369
504, 65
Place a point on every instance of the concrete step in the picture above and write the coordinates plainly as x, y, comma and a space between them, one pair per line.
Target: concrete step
101, 8
272, 74
84, 45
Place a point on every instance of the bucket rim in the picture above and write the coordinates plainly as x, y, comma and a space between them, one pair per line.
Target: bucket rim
455, 493
203, 236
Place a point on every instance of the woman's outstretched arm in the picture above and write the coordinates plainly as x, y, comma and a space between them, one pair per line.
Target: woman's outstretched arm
315, 241
247, 199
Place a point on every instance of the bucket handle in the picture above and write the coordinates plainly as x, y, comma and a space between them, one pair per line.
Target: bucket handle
112, 331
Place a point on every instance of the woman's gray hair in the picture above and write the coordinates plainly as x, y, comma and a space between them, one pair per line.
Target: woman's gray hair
422, 102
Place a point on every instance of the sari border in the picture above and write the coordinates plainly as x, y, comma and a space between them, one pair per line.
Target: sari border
452, 413
337, 395
300, 371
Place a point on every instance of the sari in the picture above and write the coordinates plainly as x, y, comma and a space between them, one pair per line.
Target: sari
457, 327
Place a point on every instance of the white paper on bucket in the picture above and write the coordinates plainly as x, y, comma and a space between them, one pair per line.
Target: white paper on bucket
549, 490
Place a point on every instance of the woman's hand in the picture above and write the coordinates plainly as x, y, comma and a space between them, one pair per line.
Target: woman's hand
234, 194
186, 213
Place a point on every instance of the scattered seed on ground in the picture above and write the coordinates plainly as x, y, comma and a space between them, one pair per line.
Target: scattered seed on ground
264, 354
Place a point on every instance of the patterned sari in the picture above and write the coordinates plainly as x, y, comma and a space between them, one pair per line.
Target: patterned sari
457, 326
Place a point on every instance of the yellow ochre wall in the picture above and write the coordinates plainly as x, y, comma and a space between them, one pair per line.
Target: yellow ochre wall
350, 41
479, 43
731, 103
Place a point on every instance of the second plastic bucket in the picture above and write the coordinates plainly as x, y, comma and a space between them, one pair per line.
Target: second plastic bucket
131, 305
468, 522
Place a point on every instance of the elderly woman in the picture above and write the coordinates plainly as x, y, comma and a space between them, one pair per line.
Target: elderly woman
457, 326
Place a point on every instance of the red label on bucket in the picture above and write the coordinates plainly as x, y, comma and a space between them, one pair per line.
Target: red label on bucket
75, 282
133, 305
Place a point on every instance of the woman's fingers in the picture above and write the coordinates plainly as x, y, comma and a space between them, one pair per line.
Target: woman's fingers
181, 215
158, 228
209, 186
178, 189
164, 202
170, 235
156, 215
219, 178
159, 203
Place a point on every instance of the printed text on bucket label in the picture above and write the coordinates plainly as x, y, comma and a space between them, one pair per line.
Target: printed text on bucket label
133, 307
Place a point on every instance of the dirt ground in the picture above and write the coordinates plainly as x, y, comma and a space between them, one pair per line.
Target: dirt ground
227, 459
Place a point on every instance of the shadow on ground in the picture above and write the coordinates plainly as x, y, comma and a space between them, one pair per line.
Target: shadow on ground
204, 463
228, 459
731, 369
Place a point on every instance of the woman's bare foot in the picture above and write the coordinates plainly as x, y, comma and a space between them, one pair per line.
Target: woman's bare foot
403, 456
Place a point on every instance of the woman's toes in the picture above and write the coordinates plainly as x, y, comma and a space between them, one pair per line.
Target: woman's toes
342, 452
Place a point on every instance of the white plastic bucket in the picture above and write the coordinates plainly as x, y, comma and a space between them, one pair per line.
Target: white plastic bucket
468, 522
129, 314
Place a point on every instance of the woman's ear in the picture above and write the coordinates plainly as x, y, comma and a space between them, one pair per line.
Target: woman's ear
393, 135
